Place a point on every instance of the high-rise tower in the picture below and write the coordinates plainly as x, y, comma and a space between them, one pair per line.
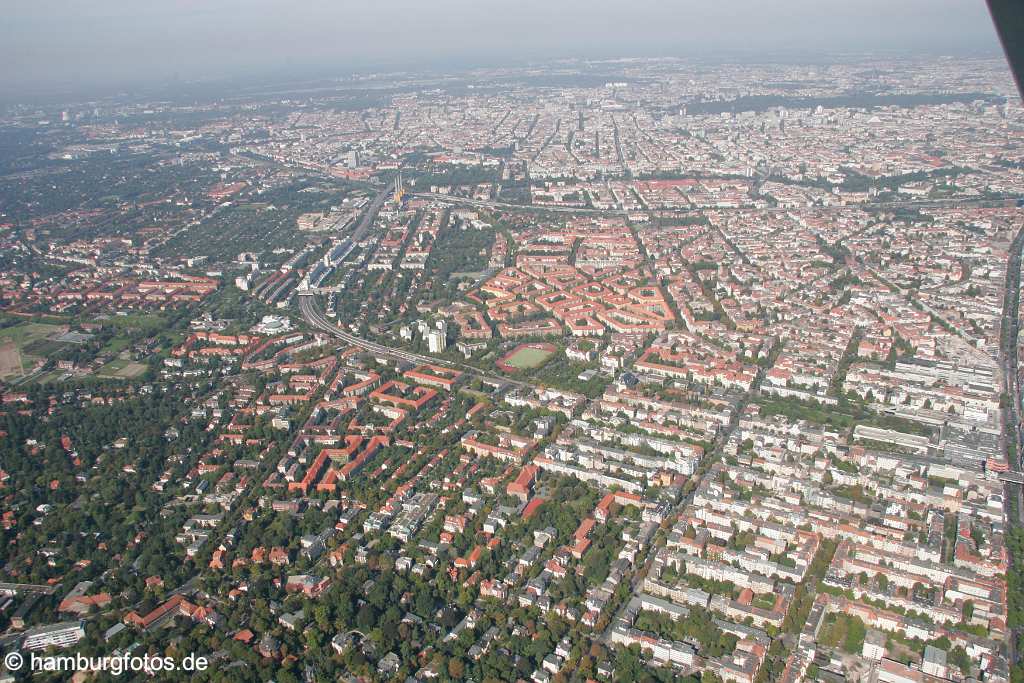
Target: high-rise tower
399, 189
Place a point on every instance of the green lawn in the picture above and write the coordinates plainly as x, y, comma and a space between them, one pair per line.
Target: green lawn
26, 333
525, 359
149, 323
13, 343
122, 368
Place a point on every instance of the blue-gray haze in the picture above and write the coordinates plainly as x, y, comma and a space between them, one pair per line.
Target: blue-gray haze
63, 43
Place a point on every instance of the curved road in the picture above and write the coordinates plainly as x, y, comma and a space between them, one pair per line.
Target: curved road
314, 317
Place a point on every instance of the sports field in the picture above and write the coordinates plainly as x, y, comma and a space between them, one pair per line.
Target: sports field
122, 369
526, 357
529, 358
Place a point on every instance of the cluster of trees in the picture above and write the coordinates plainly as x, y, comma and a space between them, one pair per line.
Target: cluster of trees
457, 251
840, 417
698, 626
845, 631
226, 233
799, 609
102, 181
631, 665
1015, 577
457, 175
562, 373
98, 518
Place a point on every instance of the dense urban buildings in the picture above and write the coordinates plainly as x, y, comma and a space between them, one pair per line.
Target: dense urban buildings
615, 370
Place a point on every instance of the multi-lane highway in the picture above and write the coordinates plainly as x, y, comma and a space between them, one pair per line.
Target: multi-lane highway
309, 310
371, 212
307, 306
313, 316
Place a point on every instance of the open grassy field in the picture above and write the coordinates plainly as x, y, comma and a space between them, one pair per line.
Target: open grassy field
24, 334
527, 358
121, 368
10, 360
13, 342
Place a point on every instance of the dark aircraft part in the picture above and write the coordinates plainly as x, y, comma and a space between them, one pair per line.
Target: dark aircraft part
1008, 16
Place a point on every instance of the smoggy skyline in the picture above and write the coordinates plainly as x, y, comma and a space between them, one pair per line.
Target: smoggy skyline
50, 44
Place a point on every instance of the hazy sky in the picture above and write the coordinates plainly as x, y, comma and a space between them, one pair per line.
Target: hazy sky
108, 42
